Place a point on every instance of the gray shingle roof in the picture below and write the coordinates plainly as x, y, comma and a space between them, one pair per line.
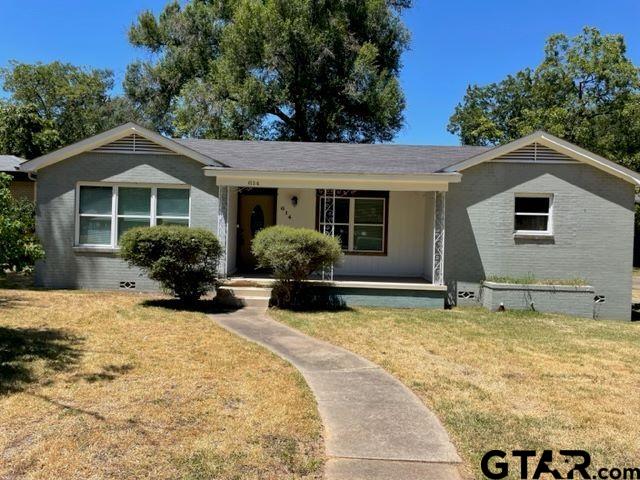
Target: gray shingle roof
9, 163
330, 157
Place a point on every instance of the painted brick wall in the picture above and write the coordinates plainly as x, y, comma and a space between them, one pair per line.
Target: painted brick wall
64, 267
593, 229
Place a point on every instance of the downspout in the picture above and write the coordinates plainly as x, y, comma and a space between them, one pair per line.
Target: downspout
33, 178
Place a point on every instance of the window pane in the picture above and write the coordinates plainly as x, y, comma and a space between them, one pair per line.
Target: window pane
95, 230
532, 204
173, 202
134, 201
95, 200
341, 210
367, 238
531, 222
173, 221
340, 231
125, 224
369, 211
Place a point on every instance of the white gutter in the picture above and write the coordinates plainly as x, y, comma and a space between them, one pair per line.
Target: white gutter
360, 181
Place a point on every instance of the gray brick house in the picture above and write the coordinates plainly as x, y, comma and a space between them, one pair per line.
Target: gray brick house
419, 225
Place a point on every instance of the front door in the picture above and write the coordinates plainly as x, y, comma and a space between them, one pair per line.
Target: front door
256, 210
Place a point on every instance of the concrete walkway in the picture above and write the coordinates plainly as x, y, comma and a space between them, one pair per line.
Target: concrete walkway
375, 427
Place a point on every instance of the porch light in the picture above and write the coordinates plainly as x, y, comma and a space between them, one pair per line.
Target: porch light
294, 200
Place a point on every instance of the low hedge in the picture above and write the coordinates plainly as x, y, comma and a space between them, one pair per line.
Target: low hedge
183, 260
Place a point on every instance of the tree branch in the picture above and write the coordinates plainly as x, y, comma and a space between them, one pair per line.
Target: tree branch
282, 116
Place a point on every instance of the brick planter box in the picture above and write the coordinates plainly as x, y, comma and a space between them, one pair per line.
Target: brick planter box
567, 299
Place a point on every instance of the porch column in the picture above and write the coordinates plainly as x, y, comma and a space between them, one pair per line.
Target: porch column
438, 239
223, 228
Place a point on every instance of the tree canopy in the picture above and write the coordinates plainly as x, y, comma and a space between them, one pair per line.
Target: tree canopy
277, 69
19, 247
585, 90
55, 104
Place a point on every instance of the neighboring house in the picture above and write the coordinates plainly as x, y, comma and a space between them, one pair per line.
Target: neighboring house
418, 223
21, 186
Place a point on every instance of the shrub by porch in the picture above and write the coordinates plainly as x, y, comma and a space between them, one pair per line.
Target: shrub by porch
293, 254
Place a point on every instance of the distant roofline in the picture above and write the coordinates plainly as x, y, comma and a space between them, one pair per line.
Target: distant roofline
14, 168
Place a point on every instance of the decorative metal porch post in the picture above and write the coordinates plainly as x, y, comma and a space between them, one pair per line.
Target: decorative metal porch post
223, 228
329, 220
438, 238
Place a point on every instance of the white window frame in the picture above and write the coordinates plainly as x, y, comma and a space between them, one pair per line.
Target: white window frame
114, 209
351, 225
534, 233
154, 206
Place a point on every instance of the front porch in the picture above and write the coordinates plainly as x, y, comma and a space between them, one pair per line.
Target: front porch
392, 232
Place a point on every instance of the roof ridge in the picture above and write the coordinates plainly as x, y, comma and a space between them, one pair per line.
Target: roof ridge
343, 144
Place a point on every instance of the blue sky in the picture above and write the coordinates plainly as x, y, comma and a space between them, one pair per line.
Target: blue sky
454, 43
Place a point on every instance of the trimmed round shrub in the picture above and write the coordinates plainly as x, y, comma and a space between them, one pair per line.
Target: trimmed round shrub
293, 254
183, 260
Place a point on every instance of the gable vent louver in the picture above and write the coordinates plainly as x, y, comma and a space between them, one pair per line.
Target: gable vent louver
133, 144
535, 153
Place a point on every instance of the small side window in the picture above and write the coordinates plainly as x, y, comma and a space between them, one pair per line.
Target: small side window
533, 214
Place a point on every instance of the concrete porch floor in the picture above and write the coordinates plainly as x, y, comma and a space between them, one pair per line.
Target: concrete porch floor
343, 281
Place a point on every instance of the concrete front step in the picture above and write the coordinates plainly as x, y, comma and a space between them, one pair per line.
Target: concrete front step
246, 292
244, 296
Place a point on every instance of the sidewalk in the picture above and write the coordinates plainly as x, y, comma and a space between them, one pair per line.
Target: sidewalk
375, 427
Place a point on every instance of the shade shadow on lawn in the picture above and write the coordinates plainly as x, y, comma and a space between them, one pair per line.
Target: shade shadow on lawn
315, 299
20, 348
201, 306
17, 281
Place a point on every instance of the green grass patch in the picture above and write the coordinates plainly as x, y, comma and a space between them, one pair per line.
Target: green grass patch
506, 380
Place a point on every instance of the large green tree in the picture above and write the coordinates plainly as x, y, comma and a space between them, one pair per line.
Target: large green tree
310, 70
55, 104
586, 90
19, 247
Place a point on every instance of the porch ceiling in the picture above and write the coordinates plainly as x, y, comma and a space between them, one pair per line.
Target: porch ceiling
392, 182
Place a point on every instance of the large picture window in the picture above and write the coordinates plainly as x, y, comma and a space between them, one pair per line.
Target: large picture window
359, 221
533, 214
106, 212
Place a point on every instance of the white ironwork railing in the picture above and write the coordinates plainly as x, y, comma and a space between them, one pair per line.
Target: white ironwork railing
328, 219
438, 238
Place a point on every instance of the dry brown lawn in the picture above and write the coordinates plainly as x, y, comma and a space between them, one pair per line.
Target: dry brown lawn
106, 385
506, 380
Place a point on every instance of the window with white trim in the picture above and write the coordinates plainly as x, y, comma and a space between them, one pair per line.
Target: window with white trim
533, 214
106, 212
359, 223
